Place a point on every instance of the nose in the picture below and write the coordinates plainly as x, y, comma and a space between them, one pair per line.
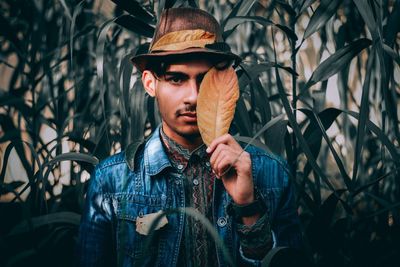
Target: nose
192, 92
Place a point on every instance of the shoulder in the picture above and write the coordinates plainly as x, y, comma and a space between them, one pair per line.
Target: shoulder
110, 173
111, 161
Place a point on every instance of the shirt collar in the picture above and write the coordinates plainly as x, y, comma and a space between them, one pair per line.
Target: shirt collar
178, 155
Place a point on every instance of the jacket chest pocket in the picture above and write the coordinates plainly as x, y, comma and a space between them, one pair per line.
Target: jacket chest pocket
130, 243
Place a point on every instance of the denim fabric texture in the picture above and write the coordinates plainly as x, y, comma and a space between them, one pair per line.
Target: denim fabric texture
130, 185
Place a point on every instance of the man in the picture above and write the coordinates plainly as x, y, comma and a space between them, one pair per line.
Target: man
245, 194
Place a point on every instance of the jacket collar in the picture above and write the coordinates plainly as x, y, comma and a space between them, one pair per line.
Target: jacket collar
155, 158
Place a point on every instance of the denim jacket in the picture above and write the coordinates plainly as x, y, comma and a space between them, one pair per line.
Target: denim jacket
134, 183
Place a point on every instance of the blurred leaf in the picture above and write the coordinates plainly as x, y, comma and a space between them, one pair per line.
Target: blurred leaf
286, 7
313, 133
18, 103
262, 102
368, 16
66, 9
242, 119
135, 25
267, 126
316, 130
393, 25
138, 115
255, 142
380, 134
322, 14
241, 8
362, 188
136, 9
275, 134
319, 228
64, 217
297, 132
390, 51
79, 157
233, 22
10, 187
302, 5
253, 71
336, 62
77, 10
364, 115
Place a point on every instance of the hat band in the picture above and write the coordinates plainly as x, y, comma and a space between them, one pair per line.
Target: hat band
184, 39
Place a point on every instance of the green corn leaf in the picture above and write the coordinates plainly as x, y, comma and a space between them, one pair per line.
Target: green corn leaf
135, 25
66, 9
302, 5
393, 54
233, 22
300, 138
79, 157
138, 115
10, 187
242, 8
374, 182
323, 13
64, 217
77, 11
267, 126
392, 25
320, 124
242, 119
136, 9
368, 16
393, 151
364, 115
336, 62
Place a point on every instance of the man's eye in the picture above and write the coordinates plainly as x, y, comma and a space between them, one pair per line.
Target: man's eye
175, 80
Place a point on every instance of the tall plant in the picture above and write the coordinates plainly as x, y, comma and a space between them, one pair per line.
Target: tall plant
329, 66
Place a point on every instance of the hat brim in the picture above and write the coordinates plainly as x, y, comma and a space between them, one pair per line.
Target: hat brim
142, 61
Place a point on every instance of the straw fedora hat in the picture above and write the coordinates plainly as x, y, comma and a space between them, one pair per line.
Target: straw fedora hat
183, 31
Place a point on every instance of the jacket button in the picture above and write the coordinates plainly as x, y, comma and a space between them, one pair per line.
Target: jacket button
195, 182
180, 167
221, 222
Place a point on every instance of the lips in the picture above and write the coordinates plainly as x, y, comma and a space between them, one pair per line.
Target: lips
189, 114
189, 117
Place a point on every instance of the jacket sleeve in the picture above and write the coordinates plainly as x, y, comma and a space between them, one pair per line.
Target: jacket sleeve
286, 224
94, 247
273, 176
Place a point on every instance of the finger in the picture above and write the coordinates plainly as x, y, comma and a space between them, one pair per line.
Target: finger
224, 139
214, 156
224, 165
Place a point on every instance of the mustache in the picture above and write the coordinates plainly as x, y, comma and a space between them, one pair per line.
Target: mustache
187, 108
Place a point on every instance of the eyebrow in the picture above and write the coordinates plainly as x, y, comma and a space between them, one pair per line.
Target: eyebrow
182, 74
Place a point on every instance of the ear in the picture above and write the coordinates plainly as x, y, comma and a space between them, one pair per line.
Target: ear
149, 82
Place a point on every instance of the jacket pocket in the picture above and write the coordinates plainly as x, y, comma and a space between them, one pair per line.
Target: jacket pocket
130, 243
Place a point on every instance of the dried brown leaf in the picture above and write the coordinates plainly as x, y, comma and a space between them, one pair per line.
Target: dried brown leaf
216, 102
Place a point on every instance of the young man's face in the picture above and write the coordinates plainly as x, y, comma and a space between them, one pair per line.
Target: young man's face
176, 93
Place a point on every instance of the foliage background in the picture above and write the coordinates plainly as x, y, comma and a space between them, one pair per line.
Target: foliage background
70, 97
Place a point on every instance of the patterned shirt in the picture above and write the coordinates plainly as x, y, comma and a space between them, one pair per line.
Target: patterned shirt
197, 247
